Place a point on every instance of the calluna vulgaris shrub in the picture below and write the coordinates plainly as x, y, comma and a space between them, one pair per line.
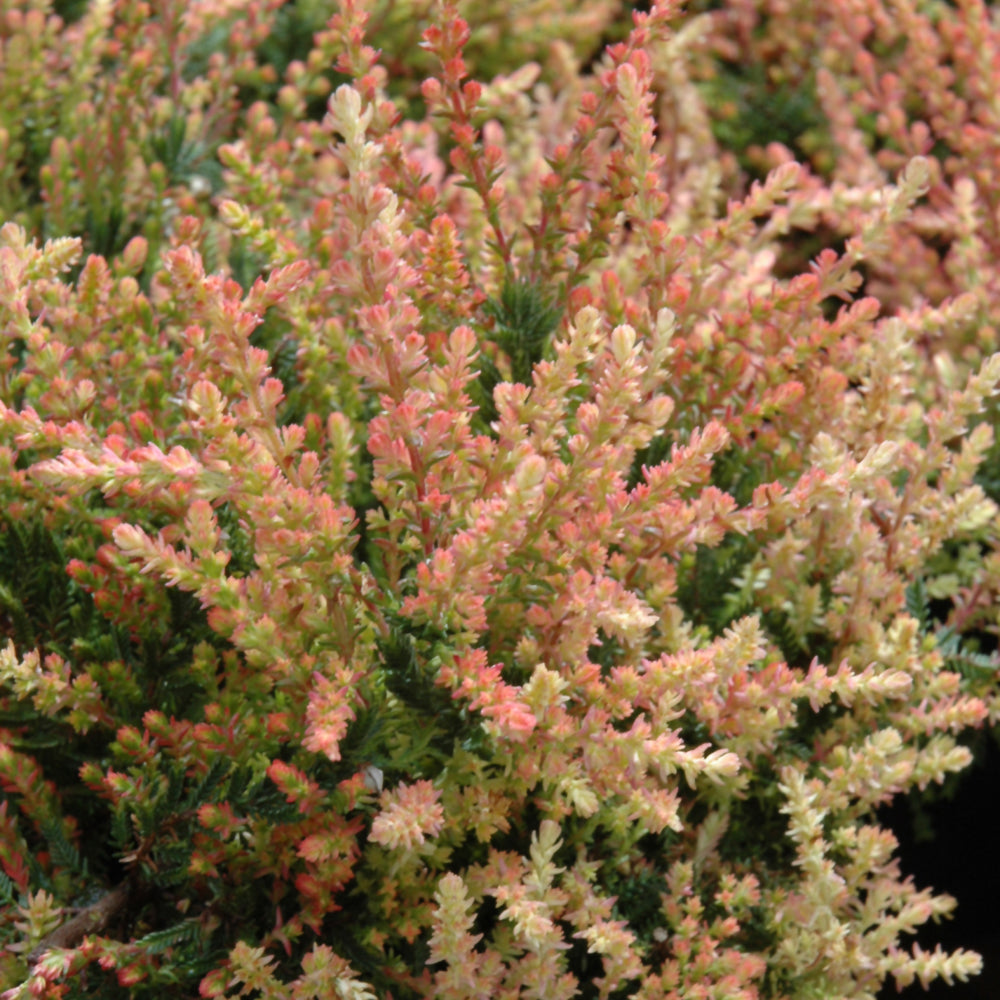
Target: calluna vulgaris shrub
495, 495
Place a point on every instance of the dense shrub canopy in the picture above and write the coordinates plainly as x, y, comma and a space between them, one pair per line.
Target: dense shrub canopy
496, 495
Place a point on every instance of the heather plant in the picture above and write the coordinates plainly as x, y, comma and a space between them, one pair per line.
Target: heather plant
457, 541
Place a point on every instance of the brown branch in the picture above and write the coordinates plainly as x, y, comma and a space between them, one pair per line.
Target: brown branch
90, 920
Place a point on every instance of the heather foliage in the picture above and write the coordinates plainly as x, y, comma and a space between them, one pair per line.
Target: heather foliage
482, 518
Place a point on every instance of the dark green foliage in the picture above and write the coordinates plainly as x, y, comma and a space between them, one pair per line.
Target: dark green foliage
69, 10
637, 891
152, 838
588, 967
705, 589
988, 473
757, 838
655, 453
522, 322
291, 34
187, 955
717, 586
121, 831
39, 125
239, 541
709, 581
157, 942
165, 656
796, 650
274, 336
960, 654
209, 782
737, 474
420, 724
246, 264
64, 854
362, 500
606, 653
182, 156
918, 603
106, 231
35, 598
213, 254
291, 40
961, 651
760, 111
200, 51
40, 606
250, 794
369, 963
8, 890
